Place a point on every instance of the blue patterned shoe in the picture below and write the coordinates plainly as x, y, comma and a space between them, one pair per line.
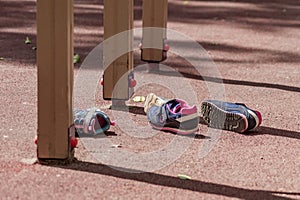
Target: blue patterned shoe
235, 117
175, 116
91, 122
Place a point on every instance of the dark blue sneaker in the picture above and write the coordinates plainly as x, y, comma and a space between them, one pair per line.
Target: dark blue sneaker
175, 116
230, 116
91, 122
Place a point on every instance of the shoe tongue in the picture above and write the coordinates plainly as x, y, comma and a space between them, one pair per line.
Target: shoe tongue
174, 106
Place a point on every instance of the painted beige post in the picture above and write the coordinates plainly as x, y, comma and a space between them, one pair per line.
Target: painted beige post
155, 14
55, 77
118, 17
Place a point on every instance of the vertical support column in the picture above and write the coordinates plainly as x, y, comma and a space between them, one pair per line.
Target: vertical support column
55, 77
155, 13
118, 51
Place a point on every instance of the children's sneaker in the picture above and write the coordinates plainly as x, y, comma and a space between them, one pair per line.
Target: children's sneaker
153, 100
230, 116
91, 122
175, 116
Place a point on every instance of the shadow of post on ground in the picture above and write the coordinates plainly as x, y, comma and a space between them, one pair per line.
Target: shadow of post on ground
175, 182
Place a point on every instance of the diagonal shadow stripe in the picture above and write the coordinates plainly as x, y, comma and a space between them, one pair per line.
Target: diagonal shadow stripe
169, 181
262, 130
232, 82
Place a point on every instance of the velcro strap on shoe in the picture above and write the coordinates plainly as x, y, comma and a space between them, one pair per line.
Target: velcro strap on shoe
87, 119
163, 114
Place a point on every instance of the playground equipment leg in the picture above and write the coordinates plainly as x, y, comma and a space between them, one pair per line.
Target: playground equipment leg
118, 74
55, 78
155, 14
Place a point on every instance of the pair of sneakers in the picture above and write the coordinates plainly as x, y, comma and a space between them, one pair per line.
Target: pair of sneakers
177, 116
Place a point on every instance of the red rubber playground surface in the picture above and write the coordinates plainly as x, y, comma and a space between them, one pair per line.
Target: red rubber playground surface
256, 48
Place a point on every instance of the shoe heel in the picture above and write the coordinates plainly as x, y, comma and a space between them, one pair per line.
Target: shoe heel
190, 125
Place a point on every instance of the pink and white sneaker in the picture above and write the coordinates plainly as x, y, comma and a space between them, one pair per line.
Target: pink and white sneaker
175, 116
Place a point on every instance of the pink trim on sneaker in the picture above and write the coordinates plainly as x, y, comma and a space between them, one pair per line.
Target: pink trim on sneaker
177, 108
245, 120
183, 108
189, 111
182, 102
259, 117
112, 123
